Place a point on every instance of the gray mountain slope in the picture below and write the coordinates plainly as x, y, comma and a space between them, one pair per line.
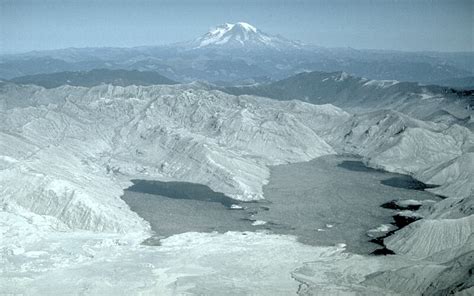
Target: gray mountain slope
360, 94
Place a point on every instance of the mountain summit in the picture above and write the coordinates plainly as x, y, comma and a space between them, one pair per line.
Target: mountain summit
242, 35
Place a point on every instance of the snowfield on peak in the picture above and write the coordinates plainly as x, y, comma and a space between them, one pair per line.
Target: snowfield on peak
242, 35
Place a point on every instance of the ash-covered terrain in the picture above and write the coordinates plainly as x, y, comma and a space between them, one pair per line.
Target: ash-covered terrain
128, 183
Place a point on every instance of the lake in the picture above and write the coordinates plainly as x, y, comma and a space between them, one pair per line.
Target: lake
326, 201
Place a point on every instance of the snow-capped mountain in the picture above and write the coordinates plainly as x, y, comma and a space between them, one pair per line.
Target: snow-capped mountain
240, 53
242, 35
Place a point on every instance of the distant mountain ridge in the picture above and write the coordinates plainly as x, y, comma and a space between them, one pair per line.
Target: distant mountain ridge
95, 77
238, 53
361, 94
352, 93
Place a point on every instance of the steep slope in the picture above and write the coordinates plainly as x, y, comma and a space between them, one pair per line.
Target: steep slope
443, 257
396, 142
437, 239
460, 169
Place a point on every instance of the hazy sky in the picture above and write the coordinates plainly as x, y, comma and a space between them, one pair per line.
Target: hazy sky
384, 24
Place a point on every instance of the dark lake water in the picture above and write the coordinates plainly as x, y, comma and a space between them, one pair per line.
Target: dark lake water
326, 201
181, 190
177, 207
